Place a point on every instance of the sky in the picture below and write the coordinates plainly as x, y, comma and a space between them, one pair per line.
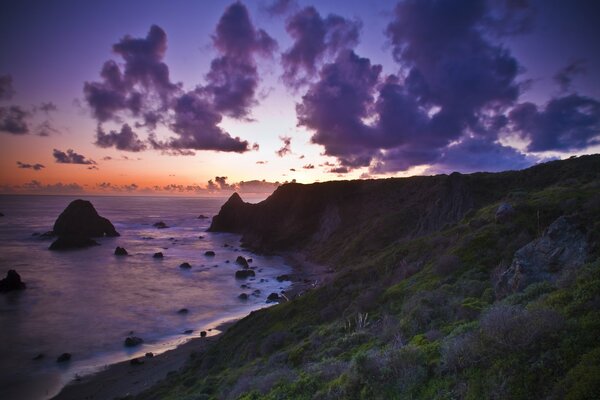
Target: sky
200, 97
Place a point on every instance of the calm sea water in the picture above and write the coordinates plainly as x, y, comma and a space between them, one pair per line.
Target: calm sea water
86, 302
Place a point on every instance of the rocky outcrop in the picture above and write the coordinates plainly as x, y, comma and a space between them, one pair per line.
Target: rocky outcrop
504, 212
240, 260
120, 251
11, 282
77, 224
244, 274
562, 246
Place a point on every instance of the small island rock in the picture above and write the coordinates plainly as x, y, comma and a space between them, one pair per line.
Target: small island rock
209, 253
158, 255
244, 273
11, 282
120, 251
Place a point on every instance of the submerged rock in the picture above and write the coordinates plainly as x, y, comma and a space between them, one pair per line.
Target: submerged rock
185, 265
183, 311
244, 273
11, 282
202, 216
243, 296
561, 246
64, 357
77, 224
242, 261
160, 225
209, 253
158, 255
132, 341
120, 251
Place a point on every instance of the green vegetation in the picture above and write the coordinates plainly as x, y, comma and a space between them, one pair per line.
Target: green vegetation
419, 316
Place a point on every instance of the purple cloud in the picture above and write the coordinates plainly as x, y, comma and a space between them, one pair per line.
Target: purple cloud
196, 123
13, 120
126, 139
314, 38
286, 148
280, 7
6, 88
233, 76
566, 123
70, 157
35, 167
565, 76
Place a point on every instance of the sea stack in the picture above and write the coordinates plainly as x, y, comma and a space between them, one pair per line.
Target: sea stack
11, 282
78, 224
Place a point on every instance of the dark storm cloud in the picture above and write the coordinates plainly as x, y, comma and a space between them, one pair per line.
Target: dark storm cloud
565, 76
196, 124
13, 120
70, 157
454, 83
286, 148
566, 123
314, 38
233, 76
126, 139
35, 167
334, 107
6, 88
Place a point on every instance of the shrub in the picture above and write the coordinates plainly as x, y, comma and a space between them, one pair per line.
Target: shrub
275, 341
447, 264
460, 352
514, 328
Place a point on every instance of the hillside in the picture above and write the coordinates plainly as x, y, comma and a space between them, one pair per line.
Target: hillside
447, 287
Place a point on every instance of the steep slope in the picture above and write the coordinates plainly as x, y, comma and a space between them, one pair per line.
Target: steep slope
444, 300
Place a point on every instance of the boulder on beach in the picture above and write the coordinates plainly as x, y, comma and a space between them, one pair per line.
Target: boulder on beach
64, 357
209, 253
273, 297
203, 334
242, 261
244, 273
284, 277
160, 225
158, 255
77, 224
11, 282
120, 251
132, 341
185, 265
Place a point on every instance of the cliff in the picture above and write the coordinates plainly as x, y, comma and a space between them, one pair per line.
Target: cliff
323, 218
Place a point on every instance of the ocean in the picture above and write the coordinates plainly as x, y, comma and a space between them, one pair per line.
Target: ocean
86, 302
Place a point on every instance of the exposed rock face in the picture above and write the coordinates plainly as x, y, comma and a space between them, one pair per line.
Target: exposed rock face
561, 246
11, 282
504, 212
77, 224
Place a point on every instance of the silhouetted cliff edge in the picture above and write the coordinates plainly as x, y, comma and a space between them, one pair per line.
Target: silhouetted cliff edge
371, 214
